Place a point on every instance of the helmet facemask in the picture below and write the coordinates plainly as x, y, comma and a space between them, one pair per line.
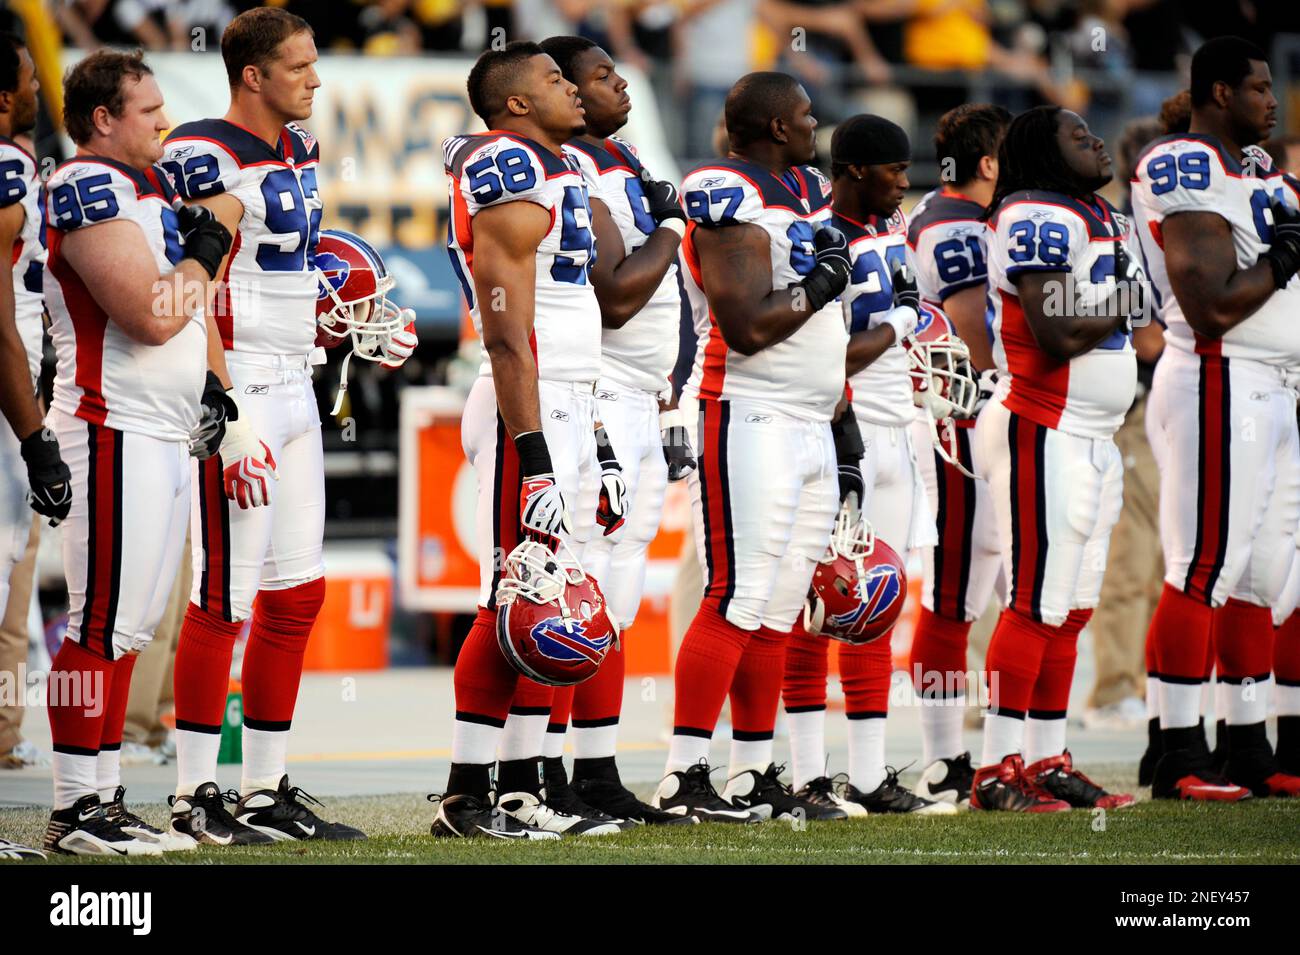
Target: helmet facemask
946, 388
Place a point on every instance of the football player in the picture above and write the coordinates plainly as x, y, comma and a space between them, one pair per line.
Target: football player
259, 504
128, 392
764, 271
1220, 230
946, 237
869, 160
1063, 282
21, 308
638, 223
521, 244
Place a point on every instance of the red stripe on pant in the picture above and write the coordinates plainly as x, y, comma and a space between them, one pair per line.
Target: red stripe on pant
955, 521
103, 539
214, 526
716, 505
1028, 521
1214, 479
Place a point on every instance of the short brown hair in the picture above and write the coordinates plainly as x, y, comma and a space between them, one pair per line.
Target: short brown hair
252, 38
98, 81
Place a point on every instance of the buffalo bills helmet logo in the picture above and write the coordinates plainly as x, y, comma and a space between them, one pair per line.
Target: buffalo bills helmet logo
568, 644
334, 270
879, 589
923, 320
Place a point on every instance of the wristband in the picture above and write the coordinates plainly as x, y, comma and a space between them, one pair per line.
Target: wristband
534, 457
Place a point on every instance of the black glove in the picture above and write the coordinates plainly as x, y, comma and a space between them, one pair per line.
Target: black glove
848, 456
677, 445
205, 239
1129, 274
218, 408
1284, 254
50, 481
905, 292
831, 273
661, 196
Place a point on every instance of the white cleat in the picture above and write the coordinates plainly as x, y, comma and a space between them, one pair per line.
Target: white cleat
86, 829
531, 811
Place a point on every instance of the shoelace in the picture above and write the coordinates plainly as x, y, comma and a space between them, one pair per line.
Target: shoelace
1031, 787
294, 796
773, 777
821, 786
697, 777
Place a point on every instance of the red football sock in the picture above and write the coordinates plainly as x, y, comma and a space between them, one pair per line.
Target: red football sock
82, 687
1286, 651
531, 698
865, 673
1181, 630
1243, 645
561, 707
1012, 663
1051, 695
277, 642
756, 687
939, 653
599, 700
706, 664
110, 735
484, 679
201, 677
803, 686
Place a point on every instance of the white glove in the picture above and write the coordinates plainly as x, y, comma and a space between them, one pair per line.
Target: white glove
245, 464
902, 319
400, 345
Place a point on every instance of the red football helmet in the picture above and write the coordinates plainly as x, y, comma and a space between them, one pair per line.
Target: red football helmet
943, 380
858, 589
552, 623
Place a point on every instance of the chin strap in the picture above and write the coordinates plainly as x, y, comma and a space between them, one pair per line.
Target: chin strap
343, 384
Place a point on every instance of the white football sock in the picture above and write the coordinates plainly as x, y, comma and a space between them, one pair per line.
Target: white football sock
1246, 703
594, 742
1003, 735
867, 753
941, 721
108, 772
553, 744
474, 743
1288, 700
264, 752
685, 751
1180, 704
196, 760
523, 736
746, 754
1043, 738
807, 745
74, 777
1153, 698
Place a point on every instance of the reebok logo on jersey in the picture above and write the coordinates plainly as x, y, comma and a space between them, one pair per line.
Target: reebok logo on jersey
710, 183
607, 395
559, 415
257, 390
181, 152
758, 419
1041, 214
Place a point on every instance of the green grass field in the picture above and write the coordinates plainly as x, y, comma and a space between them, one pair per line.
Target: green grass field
1262, 831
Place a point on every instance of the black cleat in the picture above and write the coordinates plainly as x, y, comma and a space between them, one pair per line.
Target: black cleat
947, 780
691, 793
1251, 763
134, 826
893, 797
610, 796
469, 817
204, 818
281, 814
561, 796
86, 829
1005, 787
1187, 774
765, 794
821, 792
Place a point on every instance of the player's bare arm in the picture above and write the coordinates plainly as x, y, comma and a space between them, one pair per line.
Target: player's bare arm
1213, 292
506, 238
17, 402
114, 261
1062, 336
625, 283
228, 211
866, 346
967, 310
737, 264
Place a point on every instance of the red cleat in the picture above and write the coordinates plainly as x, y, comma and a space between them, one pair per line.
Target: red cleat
1186, 774
1057, 776
1005, 786
1282, 784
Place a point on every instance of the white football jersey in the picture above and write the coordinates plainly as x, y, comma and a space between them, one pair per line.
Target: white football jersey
803, 375
1190, 172
1034, 231
489, 169
946, 236
103, 375
881, 392
641, 354
20, 182
268, 303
